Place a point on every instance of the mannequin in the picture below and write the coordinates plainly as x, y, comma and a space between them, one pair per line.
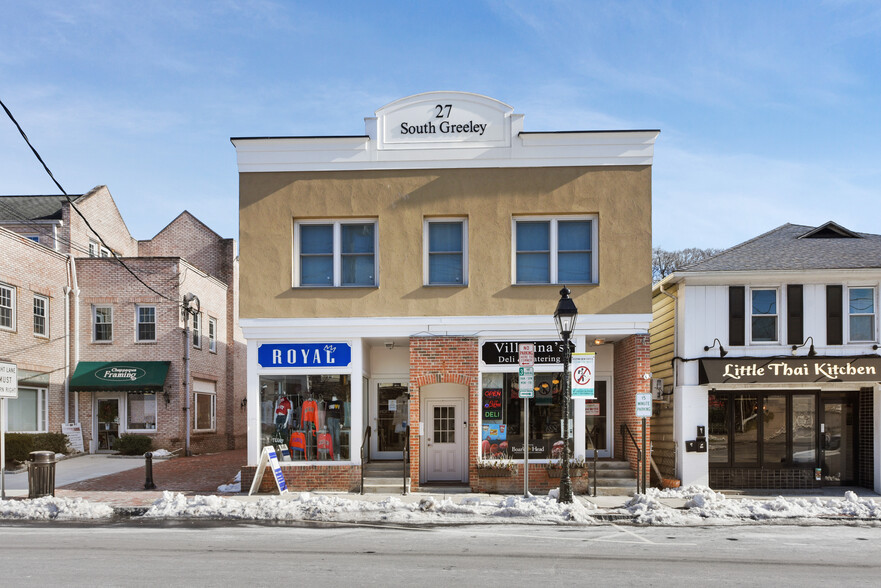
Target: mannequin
334, 416
309, 420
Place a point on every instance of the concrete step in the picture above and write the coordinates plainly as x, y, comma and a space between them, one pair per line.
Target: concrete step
383, 488
612, 482
616, 490
386, 480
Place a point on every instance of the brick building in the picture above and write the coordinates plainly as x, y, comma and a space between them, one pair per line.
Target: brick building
111, 354
388, 278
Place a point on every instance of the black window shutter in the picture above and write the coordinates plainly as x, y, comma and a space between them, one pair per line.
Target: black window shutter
834, 324
795, 331
736, 315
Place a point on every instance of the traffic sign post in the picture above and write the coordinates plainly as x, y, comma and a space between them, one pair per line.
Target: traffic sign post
526, 358
8, 389
643, 410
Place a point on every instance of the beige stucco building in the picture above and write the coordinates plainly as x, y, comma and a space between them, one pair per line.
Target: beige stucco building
387, 277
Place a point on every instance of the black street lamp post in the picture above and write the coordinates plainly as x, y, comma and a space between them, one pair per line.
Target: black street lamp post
565, 317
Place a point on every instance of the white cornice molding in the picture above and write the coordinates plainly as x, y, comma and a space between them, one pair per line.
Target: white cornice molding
812, 276
610, 326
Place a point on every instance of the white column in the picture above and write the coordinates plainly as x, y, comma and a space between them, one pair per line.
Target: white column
359, 397
253, 387
690, 411
876, 464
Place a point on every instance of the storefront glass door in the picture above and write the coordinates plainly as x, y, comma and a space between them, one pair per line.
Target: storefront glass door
390, 415
107, 416
838, 443
596, 419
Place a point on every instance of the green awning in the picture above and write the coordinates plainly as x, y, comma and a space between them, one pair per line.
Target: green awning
132, 376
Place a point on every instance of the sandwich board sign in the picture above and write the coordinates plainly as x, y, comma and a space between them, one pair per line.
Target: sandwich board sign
268, 459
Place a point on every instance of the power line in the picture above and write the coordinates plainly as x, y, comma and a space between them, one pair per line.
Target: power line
73, 206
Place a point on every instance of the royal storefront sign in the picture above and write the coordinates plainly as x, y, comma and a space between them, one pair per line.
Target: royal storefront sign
763, 370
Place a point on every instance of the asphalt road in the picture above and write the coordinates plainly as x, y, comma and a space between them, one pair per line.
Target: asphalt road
222, 554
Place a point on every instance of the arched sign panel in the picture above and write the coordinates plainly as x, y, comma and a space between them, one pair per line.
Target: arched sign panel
444, 119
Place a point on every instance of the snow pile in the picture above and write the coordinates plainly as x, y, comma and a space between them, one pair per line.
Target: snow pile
646, 509
161, 453
309, 507
50, 507
236, 485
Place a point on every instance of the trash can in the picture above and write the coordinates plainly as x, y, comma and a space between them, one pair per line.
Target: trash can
41, 474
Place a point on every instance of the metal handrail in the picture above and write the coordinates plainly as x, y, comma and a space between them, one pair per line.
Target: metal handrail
406, 457
639, 464
365, 454
591, 433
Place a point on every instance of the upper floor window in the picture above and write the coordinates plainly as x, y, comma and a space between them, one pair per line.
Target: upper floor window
197, 330
96, 250
102, 318
764, 315
446, 252
861, 312
554, 251
146, 317
212, 334
7, 307
41, 316
335, 253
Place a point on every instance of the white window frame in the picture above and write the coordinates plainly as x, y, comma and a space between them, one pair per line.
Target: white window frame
95, 324
197, 330
212, 334
777, 326
128, 412
209, 389
8, 292
426, 249
554, 253
138, 323
337, 251
94, 249
874, 316
42, 411
44, 316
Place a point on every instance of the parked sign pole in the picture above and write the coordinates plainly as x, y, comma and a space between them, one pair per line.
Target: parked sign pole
643, 410
526, 357
8, 389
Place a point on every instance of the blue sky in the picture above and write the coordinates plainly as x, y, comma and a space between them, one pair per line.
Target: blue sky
770, 112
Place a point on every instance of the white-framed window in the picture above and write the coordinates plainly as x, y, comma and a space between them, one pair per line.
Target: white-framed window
763, 315
558, 250
94, 249
335, 253
29, 413
212, 334
445, 252
102, 319
32, 237
205, 405
7, 307
141, 411
861, 314
145, 316
197, 330
41, 315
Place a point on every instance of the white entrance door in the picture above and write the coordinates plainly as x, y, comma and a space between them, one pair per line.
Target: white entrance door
445, 440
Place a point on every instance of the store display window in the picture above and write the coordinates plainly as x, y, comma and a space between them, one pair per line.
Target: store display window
503, 415
311, 415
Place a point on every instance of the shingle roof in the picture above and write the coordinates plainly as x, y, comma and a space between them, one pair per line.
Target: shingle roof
798, 247
23, 208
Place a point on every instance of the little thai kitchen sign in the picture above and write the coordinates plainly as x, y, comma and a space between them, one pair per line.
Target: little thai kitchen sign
762, 370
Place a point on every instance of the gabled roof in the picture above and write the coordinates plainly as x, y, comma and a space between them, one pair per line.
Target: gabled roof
16, 209
798, 247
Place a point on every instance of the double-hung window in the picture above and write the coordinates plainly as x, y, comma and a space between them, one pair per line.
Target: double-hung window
764, 315
7, 307
146, 318
555, 250
29, 413
212, 334
861, 314
41, 316
205, 404
197, 330
445, 243
335, 253
102, 318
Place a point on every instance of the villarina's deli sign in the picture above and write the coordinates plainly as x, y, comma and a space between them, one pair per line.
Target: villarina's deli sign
803, 369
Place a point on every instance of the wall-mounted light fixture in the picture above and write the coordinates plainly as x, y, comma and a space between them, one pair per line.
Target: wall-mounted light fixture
389, 345
722, 352
244, 403
811, 351
599, 341
167, 397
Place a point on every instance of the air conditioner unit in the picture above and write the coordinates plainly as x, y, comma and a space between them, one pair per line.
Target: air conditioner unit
658, 388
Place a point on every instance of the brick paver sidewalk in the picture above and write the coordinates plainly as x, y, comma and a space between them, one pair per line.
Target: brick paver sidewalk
199, 474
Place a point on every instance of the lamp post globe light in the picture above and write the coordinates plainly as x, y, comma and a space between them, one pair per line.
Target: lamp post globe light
565, 317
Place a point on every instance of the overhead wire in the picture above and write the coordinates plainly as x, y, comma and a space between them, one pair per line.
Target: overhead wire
81, 215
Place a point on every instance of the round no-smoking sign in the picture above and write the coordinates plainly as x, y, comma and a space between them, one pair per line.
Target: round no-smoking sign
582, 375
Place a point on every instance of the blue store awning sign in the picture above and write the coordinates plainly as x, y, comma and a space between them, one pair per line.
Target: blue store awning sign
271, 355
